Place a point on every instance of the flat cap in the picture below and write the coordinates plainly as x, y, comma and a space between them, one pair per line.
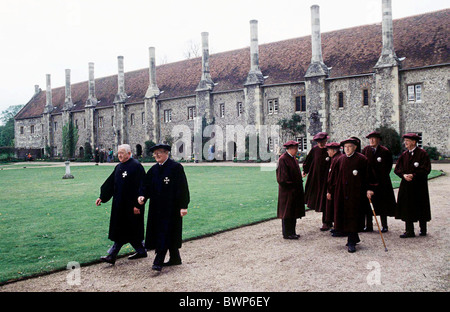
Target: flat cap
333, 145
321, 136
375, 134
160, 145
412, 136
290, 143
349, 140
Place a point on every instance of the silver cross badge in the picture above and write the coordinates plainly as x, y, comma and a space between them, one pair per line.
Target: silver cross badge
124, 174
166, 180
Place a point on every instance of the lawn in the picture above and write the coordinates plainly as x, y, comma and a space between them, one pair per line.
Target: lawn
46, 221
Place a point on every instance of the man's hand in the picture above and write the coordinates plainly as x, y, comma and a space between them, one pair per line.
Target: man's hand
328, 196
183, 212
408, 177
141, 200
304, 174
137, 211
369, 194
98, 202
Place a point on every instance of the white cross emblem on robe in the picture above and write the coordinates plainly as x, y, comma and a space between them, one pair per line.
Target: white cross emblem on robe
124, 174
166, 180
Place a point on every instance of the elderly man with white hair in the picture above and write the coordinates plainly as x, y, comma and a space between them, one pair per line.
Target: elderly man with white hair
127, 215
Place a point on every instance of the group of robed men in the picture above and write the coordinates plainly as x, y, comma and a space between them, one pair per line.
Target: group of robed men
342, 185
165, 185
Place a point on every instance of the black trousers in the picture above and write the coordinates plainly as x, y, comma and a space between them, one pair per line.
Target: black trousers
288, 226
409, 226
353, 238
369, 223
161, 255
114, 250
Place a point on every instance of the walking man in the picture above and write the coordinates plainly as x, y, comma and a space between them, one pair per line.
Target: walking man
380, 162
413, 201
291, 202
166, 186
350, 181
316, 167
127, 215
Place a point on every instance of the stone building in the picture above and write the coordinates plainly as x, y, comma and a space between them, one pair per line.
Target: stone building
345, 82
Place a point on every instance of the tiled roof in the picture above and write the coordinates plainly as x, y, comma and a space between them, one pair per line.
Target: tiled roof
422, 39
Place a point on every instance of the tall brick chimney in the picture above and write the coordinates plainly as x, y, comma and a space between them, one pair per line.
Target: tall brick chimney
388, 57
92, 100
48, 102
68, 104
152, 90
317, 67
121, 96
255, 75
206, 82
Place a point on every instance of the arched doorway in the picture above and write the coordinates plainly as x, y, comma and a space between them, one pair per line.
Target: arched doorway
138, 150
81, 152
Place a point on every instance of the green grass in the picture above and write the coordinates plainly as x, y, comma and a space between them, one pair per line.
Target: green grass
46, 222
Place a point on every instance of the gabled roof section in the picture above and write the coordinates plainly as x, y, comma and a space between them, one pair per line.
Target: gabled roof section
422, 39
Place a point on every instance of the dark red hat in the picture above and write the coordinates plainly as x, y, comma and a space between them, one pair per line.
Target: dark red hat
349, 140
321, 136
375, 134
290, 143
412, 136
333, 145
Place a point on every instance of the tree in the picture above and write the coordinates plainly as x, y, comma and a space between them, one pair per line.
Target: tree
292, 127
391, 139
7, 127
69, 139
192, 50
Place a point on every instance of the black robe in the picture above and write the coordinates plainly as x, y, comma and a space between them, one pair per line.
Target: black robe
167, 188
316, 165
349, 181
123, 186
380, 163
413, 200
291, 199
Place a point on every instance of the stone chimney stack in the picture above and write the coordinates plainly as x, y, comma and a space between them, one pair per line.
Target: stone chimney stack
388, 57
68, 104
48, 104
317, 67
206, 82
121, 96
37, 90
153, 90
255, 75
92, 100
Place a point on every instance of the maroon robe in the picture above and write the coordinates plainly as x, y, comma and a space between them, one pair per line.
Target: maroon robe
413, 200
316, 165
380, 163
291, 202
350, 192
329, 212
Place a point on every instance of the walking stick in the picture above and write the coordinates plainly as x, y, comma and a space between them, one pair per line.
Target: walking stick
376, 220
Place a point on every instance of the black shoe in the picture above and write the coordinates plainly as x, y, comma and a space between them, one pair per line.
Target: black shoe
407, 234
293, 236
157, 267
368, 229
172, 262
384, 229
338, 234
138, 255
109, 259
423, 233
351, 248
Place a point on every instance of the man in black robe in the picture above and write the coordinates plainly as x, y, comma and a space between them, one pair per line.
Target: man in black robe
349, 181
127, 216
291, 201
380, 162
413, 199
166, 186
316, 166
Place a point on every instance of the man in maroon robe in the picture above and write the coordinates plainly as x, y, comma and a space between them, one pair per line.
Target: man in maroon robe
334, 152
413, 200
291, 202
316, 166
380, 162
350, 182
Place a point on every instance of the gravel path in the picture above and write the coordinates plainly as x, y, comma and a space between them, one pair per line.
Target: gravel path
256, 259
